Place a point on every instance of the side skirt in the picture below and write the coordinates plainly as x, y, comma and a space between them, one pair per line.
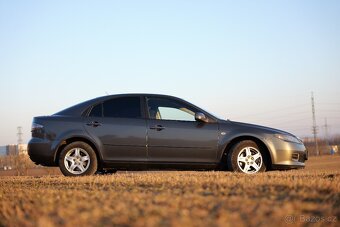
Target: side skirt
159, 166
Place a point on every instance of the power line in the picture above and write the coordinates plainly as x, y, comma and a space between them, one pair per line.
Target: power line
273, 111
288, 111
328, 103
286, 114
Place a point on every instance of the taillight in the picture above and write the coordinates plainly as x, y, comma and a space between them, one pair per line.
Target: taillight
36, 127
37, 130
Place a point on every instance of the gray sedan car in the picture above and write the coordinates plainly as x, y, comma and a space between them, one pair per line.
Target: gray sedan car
147, 131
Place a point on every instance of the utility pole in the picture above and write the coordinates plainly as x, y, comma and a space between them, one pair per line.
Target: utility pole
19, 134
314, 128
326, 133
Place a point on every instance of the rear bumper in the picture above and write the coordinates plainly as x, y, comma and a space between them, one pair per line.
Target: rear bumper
40, 152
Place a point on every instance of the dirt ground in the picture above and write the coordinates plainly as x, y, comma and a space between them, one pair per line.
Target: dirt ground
31, 172
310, 196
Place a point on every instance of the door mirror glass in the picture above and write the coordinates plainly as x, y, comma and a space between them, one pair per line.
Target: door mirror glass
201, 117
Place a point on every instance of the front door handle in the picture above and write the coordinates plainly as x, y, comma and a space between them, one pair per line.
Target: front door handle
94, 124
157, 127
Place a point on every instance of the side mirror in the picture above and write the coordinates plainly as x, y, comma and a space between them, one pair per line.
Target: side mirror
201, 117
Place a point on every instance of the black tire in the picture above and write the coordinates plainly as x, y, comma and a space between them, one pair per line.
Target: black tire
240, 147
85, 150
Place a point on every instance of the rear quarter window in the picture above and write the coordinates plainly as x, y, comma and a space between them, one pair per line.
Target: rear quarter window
97, 111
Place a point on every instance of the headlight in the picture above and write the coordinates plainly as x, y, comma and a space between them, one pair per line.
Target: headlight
288, 138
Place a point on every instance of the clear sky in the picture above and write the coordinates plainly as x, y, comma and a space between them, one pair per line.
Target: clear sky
251, 61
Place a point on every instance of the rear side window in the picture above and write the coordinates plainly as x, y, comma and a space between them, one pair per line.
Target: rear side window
127, 107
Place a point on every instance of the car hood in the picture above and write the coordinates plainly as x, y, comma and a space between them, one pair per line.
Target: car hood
258, 127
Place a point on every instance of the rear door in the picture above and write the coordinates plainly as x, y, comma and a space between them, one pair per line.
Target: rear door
175, 136
118, 126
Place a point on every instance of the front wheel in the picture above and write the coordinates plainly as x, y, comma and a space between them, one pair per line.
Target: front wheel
246, 157
78, 159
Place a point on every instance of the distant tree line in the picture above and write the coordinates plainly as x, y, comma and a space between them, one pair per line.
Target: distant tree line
324, 145
20, 162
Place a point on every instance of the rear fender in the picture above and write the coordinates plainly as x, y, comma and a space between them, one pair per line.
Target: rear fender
73, 135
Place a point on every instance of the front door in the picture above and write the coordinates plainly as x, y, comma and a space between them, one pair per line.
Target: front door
175, 136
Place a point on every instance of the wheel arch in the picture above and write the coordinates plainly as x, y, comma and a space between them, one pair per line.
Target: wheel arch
262, 145
70, 140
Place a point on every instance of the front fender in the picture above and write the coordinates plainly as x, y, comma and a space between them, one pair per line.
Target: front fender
227, 140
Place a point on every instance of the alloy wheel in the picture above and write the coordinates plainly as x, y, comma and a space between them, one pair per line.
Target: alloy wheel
77, 161
249, 160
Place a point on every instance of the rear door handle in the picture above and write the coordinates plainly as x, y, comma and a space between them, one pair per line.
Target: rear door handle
157, 127
94, 124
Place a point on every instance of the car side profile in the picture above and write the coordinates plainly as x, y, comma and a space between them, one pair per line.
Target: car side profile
148, 131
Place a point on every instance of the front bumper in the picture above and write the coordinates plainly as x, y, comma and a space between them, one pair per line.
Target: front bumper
287, 155
40, 152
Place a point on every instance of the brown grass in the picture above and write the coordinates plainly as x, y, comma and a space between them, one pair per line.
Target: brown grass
183, 199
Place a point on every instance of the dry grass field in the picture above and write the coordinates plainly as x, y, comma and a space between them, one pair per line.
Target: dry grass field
298, 198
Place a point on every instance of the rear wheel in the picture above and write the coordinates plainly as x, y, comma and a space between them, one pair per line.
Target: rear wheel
246, 157
78, 159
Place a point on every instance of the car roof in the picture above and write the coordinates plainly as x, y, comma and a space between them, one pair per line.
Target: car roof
78, 109
81, 108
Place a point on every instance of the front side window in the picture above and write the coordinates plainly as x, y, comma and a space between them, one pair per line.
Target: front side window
167, 109
126, 107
